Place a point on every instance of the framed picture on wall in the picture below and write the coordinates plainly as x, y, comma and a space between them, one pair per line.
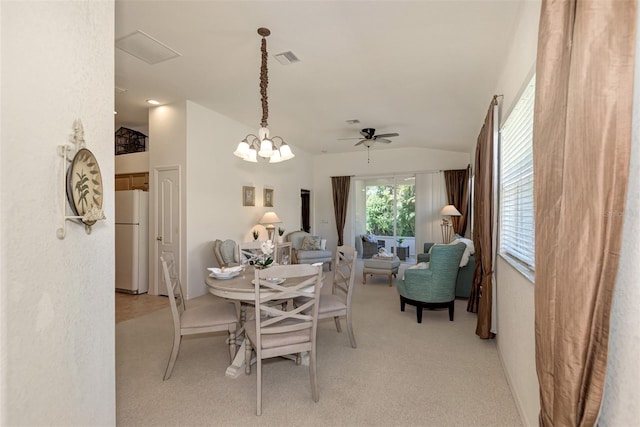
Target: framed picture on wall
268, 197
248, 196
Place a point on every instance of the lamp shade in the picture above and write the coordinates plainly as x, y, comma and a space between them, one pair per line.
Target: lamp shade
252, 156
269, 218
243, 150
450, 210
285, 152
275, 157
266, 148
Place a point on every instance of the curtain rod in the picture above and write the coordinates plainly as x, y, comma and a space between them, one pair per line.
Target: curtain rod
395, 173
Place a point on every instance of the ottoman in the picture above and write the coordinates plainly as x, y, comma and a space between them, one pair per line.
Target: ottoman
377, 265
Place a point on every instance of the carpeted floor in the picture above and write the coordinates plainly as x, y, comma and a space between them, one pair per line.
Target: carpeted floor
438, 373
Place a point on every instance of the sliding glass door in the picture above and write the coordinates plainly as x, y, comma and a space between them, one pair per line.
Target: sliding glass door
385, 208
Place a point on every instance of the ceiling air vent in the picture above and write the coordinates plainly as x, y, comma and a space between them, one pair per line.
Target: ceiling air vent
286, 58
144, 47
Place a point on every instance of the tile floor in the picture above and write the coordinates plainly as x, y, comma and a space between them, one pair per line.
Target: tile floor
130, 306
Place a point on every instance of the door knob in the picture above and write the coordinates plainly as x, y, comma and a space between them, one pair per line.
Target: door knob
159, 238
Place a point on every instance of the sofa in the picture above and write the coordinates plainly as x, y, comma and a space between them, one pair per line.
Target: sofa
308, 249
465, 273
367, 245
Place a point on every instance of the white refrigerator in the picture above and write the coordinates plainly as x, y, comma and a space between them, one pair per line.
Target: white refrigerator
132, 241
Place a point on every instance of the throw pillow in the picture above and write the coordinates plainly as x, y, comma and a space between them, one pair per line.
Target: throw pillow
468, 242
369, 238
465, 255
310, 243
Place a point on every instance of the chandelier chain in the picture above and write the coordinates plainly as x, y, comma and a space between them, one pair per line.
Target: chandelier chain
264, 82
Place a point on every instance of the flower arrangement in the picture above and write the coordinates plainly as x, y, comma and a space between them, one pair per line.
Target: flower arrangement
265, 259
256, 234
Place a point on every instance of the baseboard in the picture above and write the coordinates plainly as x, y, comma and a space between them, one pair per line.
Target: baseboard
516, 397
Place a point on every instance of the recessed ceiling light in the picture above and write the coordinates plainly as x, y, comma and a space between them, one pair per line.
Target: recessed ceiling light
353, 121
153, 102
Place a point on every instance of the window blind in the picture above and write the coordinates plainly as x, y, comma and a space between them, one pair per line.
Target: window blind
517, 228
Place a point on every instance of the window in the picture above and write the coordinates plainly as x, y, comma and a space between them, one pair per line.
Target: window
517, 229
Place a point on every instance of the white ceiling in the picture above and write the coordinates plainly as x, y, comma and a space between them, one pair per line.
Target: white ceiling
424, 69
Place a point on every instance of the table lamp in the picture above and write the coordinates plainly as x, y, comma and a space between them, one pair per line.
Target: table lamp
268, 219
447, 226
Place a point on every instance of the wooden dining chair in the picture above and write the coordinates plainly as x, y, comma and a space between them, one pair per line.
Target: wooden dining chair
338, 303
277, 332
214, 317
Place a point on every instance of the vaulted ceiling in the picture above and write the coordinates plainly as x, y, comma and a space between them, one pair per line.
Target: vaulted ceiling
424, 69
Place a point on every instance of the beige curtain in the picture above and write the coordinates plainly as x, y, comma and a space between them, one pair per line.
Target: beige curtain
581, 146
340, 186
457, 182
481, 292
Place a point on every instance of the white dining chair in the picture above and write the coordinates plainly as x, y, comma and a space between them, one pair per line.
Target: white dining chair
277, 332
215, 317
338, 303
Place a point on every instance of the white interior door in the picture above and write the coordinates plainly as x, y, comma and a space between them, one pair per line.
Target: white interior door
167, 221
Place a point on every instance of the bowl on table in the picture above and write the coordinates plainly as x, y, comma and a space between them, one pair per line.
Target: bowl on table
224, 273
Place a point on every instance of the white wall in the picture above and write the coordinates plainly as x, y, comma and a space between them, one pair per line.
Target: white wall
57, 296
622, 392
383, 162
514, 293
167, 147
132, 163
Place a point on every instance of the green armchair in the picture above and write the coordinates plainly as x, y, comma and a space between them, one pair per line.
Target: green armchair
433, 287
465, 274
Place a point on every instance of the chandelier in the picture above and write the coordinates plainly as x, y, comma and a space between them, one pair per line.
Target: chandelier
261, 145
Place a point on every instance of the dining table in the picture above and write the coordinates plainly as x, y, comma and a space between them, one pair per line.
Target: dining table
238, 289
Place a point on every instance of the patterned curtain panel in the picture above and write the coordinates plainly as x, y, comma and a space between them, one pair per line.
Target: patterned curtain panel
581, 149
457, 182
480, 299
340, 186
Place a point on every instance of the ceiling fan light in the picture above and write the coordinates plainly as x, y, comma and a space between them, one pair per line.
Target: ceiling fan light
285, 152
243, 150
266, 148
275, 157
252, 156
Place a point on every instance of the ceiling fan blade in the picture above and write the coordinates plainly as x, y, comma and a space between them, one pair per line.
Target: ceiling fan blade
359, 142
386, 135
386, 141
342, 139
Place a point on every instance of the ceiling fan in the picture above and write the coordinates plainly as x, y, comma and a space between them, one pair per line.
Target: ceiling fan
370, 137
